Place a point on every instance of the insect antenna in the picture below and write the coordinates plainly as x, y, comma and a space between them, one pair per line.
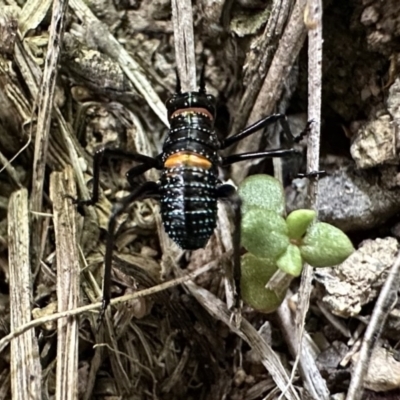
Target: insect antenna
202, 88
178, 88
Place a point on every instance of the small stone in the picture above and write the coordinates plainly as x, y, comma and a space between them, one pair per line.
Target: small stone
358, 280
383, 370
369, 16
375, 143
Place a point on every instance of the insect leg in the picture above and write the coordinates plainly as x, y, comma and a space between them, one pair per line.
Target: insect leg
312, 174
234, 158
135, 172
106, 152
262, 123
228, 194
148, 189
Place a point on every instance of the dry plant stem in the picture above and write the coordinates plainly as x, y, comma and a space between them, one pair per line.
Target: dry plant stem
45, 104
249, 334
336, 322
19, 330
30, 71
15, 102
314, 383
271, 91
96, 362
64, 215
182, 19
110, 46
259, 59
386, 300
313, 19
314, 13
224, 229
122, 380
71, 145
176, 376
12, 173
26, 372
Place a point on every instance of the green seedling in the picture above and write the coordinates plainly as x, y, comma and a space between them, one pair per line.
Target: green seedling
275, 243
256, 272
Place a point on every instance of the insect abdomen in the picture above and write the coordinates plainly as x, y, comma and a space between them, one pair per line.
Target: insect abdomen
189, 178
189, 205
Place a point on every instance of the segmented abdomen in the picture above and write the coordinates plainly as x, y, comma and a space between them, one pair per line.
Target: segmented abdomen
189, 205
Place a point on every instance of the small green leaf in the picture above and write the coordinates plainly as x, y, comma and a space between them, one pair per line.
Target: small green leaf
298, 221
325, 246
291, 262
256, 272
262, 191
264, 233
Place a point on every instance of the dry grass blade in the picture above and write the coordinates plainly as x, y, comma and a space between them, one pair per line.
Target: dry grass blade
13, 103
45, 104
64, 213
184, 43
315, 384
72, 147
387, 298
25, 364
122, 380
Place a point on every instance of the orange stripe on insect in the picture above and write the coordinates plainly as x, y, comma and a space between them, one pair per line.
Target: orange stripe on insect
187, 158
192, 110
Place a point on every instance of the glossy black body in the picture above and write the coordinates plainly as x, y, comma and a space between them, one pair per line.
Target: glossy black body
188, 194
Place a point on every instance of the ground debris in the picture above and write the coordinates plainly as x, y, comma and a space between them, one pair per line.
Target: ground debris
383, 370
358, 280
375, 143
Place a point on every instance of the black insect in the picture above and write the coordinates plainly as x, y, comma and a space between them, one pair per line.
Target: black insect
189, 187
